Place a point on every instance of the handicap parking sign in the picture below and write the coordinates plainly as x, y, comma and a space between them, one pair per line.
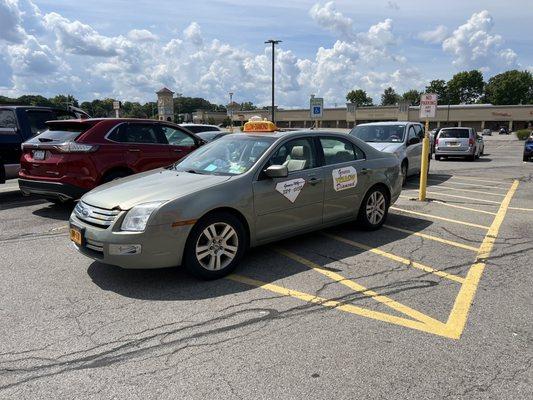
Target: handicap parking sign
316, 107
316, 110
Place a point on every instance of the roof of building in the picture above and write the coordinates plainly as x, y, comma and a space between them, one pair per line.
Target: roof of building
164, 90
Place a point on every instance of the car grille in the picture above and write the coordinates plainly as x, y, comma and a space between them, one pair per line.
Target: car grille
94, 215
94, 245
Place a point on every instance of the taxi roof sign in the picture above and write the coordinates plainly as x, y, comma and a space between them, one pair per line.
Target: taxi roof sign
255, 125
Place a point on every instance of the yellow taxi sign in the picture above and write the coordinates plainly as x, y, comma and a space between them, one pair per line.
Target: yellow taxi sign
259, 126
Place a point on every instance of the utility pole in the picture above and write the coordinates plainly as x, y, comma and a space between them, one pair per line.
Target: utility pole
230, 112
274, 43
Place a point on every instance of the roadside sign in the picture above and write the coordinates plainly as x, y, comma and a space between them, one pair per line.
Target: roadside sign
116, 105
316, 106
428, 105
351, 107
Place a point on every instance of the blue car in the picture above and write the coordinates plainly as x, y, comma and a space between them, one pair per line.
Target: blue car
528, 148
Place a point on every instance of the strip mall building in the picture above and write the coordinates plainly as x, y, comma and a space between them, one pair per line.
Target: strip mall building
478, 116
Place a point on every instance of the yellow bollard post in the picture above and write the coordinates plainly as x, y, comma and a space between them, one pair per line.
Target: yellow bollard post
424, 164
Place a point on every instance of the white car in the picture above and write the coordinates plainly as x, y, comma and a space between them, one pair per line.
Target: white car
404, 139
197, 128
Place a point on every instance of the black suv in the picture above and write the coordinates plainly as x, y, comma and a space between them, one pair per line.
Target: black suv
18, 124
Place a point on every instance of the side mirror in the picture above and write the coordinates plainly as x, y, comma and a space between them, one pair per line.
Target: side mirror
277, 171
412, 141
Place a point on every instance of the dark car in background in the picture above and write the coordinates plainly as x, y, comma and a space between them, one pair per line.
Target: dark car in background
72, 157
528, 148
20, 123
209, 136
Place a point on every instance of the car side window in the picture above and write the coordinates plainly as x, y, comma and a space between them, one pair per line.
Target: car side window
7, 119
138, 133
37, 120
419, 132
297, 155
411, 134
338, 151
177, 138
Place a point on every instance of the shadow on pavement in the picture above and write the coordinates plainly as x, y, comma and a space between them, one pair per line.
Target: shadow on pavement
262, 263
59, 212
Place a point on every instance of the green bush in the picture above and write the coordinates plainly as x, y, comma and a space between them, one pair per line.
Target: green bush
523, 134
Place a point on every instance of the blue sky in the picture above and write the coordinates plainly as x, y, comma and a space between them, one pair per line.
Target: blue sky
128, 49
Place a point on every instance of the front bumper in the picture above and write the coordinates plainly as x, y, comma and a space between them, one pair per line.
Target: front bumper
160, 246
62, 191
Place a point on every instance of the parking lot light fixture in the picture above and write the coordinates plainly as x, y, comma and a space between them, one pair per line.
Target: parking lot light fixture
273, 42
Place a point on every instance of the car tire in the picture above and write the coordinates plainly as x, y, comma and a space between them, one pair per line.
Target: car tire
525, 158
374, 209
58, 202
404, 173
437, 158
2, 174
215, 246
471, 157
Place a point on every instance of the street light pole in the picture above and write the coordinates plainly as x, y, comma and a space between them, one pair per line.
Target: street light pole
230, 109
274, 43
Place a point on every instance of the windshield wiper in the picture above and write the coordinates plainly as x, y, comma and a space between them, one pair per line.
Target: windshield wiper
193, 171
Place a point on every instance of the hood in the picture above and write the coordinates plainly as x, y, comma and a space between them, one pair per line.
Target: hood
386, 147
156, 185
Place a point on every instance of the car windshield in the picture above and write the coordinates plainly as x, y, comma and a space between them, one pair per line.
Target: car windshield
454, 134
379, 133
210, 135
226, 156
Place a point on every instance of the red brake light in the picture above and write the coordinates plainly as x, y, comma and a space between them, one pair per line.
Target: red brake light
471, 142
437, 142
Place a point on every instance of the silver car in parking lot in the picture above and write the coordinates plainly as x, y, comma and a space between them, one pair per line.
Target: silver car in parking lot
403, 139
459, 142
239, 191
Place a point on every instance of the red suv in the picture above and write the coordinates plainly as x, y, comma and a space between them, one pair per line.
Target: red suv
72, 157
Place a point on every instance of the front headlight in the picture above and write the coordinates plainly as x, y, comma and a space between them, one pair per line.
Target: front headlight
137, 218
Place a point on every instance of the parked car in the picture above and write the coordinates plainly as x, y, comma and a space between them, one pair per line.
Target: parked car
403, 139
487, 132
528, 148
503, 131
240, 191
459, 142
18, 124
209, 136
197, 128
72, 157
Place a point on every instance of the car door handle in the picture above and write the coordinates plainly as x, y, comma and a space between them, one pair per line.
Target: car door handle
364, 171
134, 150
314, 181
178, 150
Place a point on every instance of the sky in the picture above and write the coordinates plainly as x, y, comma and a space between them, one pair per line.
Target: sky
127, 50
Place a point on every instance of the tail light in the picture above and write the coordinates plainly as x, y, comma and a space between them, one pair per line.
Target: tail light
471, 142
73, 147
437, 142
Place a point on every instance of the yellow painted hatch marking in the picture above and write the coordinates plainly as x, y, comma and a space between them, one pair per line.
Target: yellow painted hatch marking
467, 184
468, 190
461, 207
455, 221
434, 238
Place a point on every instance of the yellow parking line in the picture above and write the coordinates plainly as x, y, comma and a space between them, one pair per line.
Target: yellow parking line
434, 238
457, 319
455, 221
361, 289
396, 258
462, 207
472, 178
470, 190
467, 184
437, 327
463, 197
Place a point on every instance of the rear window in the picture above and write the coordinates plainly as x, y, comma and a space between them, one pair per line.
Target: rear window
60, 133
455, 134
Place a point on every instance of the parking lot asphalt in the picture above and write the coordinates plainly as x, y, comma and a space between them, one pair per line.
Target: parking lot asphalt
437, 304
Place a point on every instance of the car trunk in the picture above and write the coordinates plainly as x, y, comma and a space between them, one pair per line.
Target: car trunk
454, 139
41, 156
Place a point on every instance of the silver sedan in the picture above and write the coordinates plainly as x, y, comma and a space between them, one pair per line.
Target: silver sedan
239, 191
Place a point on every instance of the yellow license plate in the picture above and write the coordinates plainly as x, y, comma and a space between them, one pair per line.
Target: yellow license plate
75, 236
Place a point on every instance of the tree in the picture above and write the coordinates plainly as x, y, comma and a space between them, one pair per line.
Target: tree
389, 97
465, 87
412, 96
511, 87
248, 106
359, 98
439, 87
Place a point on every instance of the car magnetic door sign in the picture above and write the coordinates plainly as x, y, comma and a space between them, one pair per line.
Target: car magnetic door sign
291, 189
344, 178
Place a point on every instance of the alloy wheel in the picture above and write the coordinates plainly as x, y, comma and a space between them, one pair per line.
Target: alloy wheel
375, 207
217, 246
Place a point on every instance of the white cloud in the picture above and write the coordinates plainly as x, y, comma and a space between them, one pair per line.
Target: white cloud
141, 35
193, 33
436, 35
473, 45
328, 17
10, 22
